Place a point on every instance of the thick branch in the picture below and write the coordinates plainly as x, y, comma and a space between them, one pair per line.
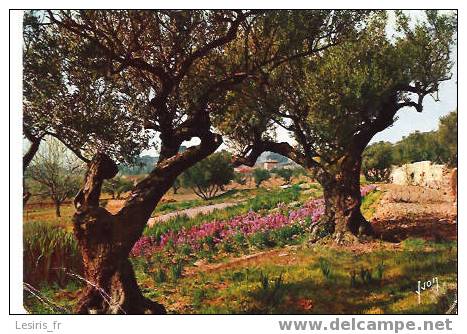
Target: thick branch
100, 168
283, 148
29, 155
147, 193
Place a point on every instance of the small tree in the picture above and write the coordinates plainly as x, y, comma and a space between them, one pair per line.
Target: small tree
260, 175
208, 176
240, 178
117, 186
447, 136
377, 161
57, 171
177, 185
284, 173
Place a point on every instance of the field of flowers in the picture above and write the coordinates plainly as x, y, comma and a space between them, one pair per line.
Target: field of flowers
282, 226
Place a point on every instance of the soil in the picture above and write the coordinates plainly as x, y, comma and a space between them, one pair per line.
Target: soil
416, 212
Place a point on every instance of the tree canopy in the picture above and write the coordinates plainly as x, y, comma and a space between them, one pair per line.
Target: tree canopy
335, 102
210, 175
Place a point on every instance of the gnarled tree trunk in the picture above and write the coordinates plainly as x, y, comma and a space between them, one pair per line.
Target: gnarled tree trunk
342, 217
105, 240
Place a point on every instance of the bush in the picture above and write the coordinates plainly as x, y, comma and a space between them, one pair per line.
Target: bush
284, 173
49, 253
209, 175
260, 175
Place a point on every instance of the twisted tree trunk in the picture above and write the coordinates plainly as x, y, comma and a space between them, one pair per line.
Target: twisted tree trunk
342, 217
105, 240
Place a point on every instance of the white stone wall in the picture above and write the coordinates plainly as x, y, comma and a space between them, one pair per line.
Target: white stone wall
422, 173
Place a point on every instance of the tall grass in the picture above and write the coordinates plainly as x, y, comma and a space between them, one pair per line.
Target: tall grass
49, 252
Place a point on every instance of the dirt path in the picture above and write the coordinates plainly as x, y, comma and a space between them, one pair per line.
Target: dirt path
191, 212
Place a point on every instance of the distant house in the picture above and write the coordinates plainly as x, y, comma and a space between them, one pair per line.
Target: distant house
270, 164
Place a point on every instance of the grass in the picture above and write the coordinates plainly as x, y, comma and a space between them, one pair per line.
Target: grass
369, 203
385, 281
321, 280
46, 213
380, 289
49, 252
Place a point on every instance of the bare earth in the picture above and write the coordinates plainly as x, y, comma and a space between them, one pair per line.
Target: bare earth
416, 212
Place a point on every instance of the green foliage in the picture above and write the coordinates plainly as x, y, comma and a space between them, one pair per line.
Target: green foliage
260, 175
284, 173
447, 136
240, 178
159, 275
241, 288
335, 104
269, 294
176, 270
418, 146
325, 267
50, 254
369, 204
377, 162
272, 199
438, 146
117, 186
210, 175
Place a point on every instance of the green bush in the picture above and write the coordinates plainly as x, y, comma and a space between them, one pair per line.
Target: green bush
260, 175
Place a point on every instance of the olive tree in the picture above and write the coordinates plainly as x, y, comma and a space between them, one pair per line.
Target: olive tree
210, 175
334, 103
129, 77
260, 175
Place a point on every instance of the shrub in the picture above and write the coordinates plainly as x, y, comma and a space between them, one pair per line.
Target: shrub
284, 173
260, 175
210, 175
